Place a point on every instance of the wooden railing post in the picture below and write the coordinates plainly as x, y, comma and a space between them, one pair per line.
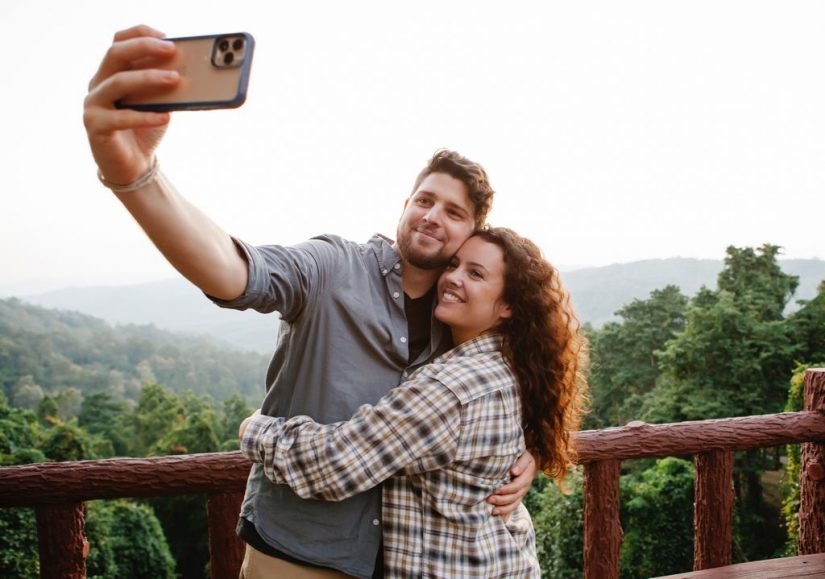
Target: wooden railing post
713, 509
61, 541
602, 526
226, 550
812, 476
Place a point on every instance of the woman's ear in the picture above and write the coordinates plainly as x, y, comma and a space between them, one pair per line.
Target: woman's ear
504, 311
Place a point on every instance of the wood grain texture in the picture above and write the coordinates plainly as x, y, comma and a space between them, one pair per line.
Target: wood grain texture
809, 566
61, 541
70, 482
811, 484
602, 527
713, 509
641, 440
226, 550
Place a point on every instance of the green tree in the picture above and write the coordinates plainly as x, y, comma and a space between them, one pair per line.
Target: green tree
126, 540
18, 544
47, 411
558, 518
235, 409
624, 355
657, 507
158, 412
68, 442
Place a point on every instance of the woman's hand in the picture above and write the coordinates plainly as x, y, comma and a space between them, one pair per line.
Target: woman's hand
242, 427
508, 498
123, 141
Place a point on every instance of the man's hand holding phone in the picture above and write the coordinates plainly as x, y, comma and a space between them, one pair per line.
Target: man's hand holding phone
144, 76
123, 141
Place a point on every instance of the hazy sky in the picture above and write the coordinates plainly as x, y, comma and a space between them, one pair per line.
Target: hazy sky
612, 131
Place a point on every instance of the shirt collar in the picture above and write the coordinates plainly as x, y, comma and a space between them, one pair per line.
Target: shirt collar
388, 259
485, 343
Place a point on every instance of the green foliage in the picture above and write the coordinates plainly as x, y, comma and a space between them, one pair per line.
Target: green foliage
624, 356
558, 520
657, 508
68, 442
46, 351
20, 436
18, 544
790, 482
47, 410
126, 541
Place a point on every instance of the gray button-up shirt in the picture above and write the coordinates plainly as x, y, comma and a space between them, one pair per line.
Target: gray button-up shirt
343, 342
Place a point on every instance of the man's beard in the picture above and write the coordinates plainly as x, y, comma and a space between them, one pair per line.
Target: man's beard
419, 259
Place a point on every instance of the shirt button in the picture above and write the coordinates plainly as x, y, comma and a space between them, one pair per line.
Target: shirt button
403, 340
397, 266
376, 522
384, 271
395, 295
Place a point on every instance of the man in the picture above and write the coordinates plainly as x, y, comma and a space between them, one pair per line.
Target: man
355, 317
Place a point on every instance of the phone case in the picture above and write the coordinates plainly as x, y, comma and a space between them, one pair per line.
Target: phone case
214, 73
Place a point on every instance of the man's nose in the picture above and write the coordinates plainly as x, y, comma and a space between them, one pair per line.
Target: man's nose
434, 214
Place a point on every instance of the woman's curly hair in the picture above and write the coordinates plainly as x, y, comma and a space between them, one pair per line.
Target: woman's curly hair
544, 348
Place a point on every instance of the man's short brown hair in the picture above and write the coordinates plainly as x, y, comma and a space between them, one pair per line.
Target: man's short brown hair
468, 172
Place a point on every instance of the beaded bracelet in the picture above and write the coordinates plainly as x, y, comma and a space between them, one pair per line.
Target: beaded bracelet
148, 176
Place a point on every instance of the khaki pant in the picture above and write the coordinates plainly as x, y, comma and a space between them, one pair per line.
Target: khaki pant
256, 565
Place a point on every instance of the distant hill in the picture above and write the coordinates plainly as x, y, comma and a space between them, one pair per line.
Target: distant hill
53, 349
173, 304
597, 293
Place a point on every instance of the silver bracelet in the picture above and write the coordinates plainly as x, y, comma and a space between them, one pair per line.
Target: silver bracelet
148, 176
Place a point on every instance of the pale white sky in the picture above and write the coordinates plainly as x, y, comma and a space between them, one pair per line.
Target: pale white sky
612, 131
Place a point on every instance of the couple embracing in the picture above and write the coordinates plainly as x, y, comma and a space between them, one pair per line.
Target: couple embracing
417, 384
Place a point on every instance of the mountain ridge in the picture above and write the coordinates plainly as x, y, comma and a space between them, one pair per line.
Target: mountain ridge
597, 293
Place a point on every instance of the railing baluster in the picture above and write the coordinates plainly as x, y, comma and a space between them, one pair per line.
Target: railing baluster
226, 550
713, 509
602, 527
61, 540
811, 484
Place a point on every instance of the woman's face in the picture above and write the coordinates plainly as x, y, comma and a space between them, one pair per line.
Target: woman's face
470, 290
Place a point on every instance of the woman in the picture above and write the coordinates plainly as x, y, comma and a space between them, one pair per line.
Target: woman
446, 438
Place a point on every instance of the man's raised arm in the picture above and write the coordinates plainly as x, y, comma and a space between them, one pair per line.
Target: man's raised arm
123, 143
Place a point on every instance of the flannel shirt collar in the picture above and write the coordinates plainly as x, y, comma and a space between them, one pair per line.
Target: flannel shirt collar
485, 343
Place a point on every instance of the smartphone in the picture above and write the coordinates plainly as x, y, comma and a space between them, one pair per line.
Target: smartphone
214, 73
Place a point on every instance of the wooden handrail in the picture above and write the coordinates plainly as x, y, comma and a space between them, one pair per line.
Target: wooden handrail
222, 476
53, 483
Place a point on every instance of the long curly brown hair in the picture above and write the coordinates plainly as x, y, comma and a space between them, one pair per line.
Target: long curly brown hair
544, 348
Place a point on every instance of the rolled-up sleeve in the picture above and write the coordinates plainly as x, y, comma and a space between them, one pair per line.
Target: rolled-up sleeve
282, 278
414, 427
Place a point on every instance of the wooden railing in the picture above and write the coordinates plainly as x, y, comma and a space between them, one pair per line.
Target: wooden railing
58, 491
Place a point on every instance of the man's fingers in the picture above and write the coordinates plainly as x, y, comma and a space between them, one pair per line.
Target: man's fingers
523, 462
508, 493
132, 82
126, 54
139, 30
108, 121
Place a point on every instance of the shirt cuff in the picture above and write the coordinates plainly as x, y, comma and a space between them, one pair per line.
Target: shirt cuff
254, 437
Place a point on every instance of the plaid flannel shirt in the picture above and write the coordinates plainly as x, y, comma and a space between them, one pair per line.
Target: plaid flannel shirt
443, 441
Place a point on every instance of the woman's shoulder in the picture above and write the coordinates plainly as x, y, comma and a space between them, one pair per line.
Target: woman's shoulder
475, 374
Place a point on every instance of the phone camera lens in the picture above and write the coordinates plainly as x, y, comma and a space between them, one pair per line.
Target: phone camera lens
224, 45
238, 44
228, 58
